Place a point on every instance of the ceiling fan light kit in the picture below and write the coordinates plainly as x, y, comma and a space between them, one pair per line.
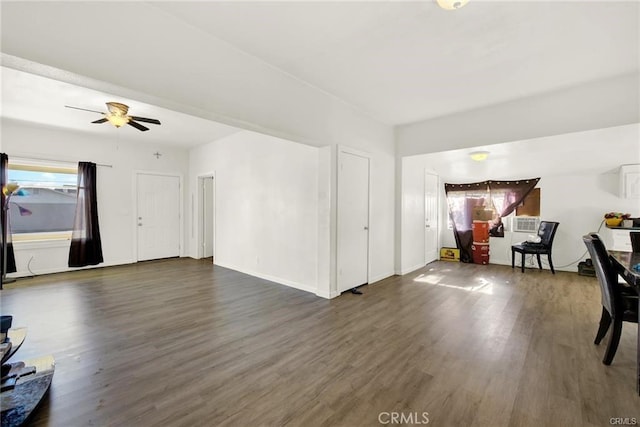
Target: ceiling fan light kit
116, 120
118, 116
452, 4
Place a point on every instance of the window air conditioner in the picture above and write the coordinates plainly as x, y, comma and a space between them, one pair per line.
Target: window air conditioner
526, 224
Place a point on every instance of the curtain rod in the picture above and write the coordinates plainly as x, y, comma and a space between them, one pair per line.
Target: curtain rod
28, 157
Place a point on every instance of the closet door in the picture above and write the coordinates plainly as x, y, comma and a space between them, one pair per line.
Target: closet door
353, 221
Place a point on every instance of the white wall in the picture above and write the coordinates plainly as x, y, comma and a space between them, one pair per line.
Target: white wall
602, 104
303, 114
579, 183
115, 186
275, 209
327, 178
266, 206
274, 201
412, 215
578, 200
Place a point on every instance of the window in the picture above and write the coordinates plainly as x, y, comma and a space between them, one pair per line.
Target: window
530, 205
44, 206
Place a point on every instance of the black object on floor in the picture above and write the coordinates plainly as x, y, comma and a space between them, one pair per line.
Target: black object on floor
23, 384
356, 291
586, 268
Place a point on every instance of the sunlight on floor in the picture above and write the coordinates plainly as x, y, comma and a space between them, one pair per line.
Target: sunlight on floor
479, 284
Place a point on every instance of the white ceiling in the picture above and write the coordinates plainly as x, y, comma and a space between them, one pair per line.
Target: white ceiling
32, 98
572, 154
398, 62
408, 61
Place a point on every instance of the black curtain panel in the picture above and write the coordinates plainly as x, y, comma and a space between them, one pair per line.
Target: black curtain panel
512, 193
4, 219
506, 196
86, 246
490, 200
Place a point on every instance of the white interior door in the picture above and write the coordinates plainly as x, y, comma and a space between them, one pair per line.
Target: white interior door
207, 217
353, 221
158, 216
431, 205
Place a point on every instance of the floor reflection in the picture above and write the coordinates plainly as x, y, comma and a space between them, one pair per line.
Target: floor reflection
477, 284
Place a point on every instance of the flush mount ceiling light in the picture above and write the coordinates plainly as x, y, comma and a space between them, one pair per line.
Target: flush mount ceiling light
452, 4
479, 156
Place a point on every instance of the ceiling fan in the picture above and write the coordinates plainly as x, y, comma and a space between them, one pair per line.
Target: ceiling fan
117, 116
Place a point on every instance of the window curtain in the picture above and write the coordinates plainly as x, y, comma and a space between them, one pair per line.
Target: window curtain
4, 219
86, 246
506, 196
500, 198
462, 200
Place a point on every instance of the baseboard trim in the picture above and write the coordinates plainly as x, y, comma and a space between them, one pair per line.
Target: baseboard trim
380, 277
411, 269
278, 280
328, 295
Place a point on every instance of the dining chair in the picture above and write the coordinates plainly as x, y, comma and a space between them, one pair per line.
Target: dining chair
546, 232
635, 241
619, 304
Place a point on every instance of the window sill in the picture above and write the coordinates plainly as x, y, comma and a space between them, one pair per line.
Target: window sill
41, 237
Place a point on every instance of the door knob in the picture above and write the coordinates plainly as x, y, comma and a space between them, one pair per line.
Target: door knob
366, 228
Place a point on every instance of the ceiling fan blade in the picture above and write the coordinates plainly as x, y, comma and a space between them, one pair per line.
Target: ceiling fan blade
137, 125
145, 120
84, 109
117, 108
100, 120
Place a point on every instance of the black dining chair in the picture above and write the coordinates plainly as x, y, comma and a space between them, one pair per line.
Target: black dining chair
619, 303
546, 232
635, 241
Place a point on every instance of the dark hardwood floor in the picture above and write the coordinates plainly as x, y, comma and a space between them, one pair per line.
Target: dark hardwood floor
182, 343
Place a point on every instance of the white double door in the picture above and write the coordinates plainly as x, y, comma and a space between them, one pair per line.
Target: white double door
158, 216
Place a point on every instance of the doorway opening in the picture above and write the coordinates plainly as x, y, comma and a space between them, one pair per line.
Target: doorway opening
431, 212
206, 217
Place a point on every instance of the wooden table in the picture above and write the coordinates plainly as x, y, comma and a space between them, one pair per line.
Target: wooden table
623, 262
